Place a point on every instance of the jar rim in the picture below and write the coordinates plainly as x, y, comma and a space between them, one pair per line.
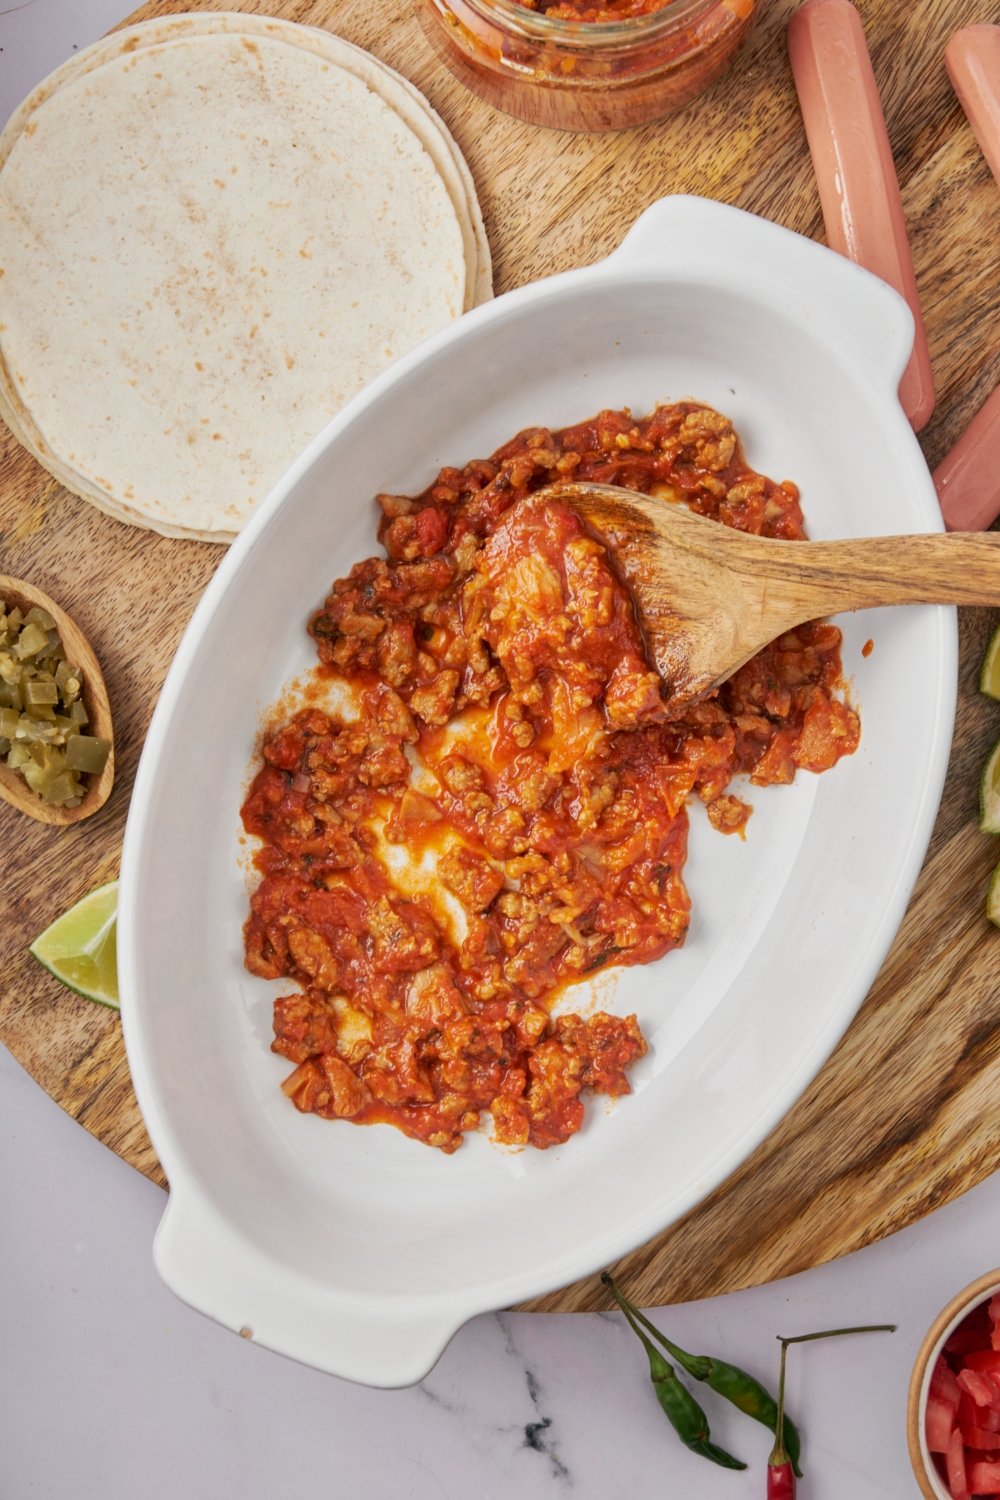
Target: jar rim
538, 27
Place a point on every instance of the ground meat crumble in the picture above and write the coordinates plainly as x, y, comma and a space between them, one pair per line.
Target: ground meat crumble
506, 720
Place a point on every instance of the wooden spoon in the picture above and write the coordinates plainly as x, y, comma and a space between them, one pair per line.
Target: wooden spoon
710, 597
13, 787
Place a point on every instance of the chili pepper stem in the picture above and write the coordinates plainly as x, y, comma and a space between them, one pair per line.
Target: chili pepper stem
781, 1481
780, 1474
697, 1366
734, 1385
779, 1454
681, 1409
832, 1333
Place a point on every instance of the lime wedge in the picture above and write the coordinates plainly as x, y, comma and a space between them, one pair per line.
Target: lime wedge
989, 677
80, 948
989, 794
993, 898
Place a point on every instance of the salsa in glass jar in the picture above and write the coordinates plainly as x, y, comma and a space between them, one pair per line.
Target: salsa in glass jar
587, 64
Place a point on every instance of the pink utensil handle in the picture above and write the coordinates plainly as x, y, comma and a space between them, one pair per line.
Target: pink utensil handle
858, 188
968, 479
972, 58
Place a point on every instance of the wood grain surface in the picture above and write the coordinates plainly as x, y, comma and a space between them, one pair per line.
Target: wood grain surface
905, 1115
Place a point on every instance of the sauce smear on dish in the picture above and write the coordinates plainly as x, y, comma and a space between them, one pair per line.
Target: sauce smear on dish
502, 808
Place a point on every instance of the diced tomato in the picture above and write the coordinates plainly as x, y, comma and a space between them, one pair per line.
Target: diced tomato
994, 1308
974, 1332
967, 1340
976, 1437
955, 1465
940, 1421
983, 1479
983, 1360
982, 1391
944, 1386
969, 1414
995, 1336
978, 1418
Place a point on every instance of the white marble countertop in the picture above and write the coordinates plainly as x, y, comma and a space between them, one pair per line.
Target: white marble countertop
110, 1389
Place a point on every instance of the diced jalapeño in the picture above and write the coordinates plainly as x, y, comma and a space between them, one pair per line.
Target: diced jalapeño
68, 681
30, 641
61, 788
42, 714
48, 758
38, 616
85, 753
36, 690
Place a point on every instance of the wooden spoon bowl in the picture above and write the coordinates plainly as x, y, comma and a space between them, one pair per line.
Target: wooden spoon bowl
710, 597
13, 787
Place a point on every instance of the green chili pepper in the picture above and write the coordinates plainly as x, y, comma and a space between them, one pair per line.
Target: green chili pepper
729, 1381
682, 1410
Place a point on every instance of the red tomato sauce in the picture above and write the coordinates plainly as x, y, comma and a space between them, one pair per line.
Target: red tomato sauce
496, 650
619, 10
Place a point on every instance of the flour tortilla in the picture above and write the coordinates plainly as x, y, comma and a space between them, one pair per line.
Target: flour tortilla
106, 315
392, 87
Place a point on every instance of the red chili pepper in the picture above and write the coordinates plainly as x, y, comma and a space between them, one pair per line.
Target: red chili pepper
780, 1474
780, 1482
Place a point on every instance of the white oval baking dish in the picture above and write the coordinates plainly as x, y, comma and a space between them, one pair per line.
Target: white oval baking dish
357, 1250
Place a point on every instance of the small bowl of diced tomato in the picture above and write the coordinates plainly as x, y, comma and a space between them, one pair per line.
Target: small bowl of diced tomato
953, 1417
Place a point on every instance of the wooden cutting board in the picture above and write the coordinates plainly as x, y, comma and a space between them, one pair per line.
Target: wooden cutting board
906, 1114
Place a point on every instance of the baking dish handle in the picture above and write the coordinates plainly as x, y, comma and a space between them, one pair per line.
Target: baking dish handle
374, 1339
699, 239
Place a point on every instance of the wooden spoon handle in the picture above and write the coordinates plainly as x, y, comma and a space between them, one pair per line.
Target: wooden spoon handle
820, 578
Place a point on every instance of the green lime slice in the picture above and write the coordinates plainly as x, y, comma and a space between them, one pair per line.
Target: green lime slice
989, 677
993, 898
989, 794
80, 947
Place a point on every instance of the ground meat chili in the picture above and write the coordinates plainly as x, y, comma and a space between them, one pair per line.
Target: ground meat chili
496, 651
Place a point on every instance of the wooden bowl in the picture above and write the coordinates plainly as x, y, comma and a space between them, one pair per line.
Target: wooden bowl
943, 1326
13, 787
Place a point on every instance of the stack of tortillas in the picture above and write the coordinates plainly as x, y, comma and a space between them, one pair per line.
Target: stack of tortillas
214, 230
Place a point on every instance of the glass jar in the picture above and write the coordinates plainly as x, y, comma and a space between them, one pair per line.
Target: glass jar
586, 75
